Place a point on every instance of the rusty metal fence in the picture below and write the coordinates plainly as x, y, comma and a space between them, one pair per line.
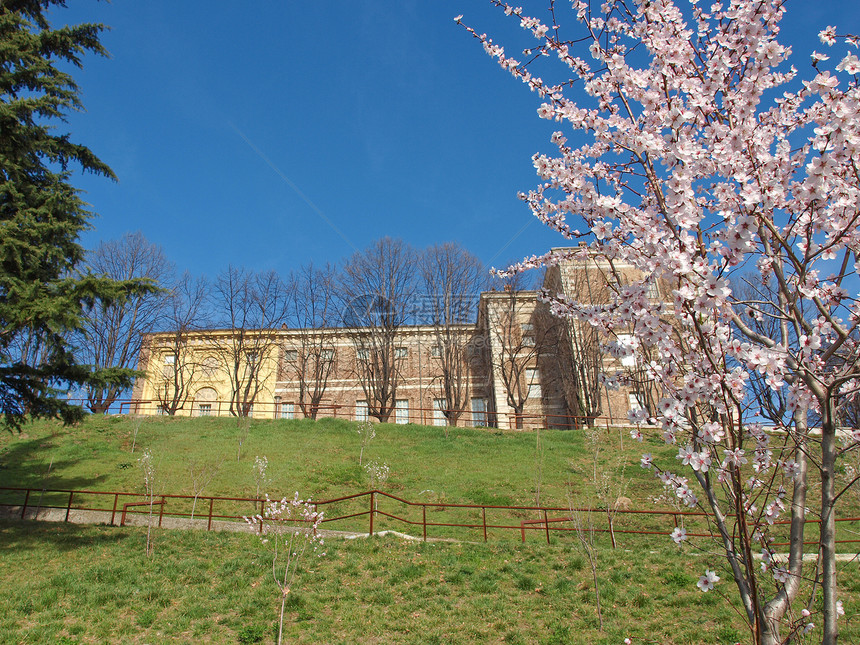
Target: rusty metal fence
376, 510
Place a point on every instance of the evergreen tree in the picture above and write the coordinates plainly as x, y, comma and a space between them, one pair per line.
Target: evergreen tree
43, 296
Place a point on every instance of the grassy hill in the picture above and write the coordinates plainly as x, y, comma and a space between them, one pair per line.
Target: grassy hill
321, 459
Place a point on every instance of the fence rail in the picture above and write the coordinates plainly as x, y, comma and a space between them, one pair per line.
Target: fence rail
341, 513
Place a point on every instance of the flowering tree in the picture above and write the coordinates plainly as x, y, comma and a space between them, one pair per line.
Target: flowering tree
699, 157
366, 432
290, 530
148, 469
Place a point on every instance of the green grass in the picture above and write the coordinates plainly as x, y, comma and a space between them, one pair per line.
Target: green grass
320, 459
94, 584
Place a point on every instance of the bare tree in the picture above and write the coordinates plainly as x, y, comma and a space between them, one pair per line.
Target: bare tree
453, 279
577, 360
202, 472
111, 335
519, 337
310, 357
185, 314
27, 347
378, 287
763, 317
252, 307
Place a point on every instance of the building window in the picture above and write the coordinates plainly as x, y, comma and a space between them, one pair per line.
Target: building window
652, 292
361, 410
400, 352
635, 401
362, 354
479, 412
327, 354
203, 401
528, 341
401, 411
169, 367
527, 328
439, 418
436, 351
291, 355
533, 382
288, 410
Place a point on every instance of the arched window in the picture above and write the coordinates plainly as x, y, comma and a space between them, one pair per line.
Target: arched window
205, 402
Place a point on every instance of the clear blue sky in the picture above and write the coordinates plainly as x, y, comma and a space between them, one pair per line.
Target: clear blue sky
388, 117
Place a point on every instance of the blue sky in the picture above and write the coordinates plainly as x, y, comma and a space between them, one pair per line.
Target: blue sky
272, 133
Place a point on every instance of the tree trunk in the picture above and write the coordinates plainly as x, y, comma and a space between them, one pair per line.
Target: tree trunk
384, 415
828, 522
774, 611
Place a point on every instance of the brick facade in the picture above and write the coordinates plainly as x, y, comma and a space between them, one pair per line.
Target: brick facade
512, 368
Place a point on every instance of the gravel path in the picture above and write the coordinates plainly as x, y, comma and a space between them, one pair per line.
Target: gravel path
104, 517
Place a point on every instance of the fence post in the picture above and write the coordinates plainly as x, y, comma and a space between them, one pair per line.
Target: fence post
69, 507
372, 495
113, 512
484, 512
424, 513
161, 512
211, 503
26, 499
546, 524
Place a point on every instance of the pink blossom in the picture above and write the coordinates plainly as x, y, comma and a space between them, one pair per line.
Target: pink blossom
850, 65
781, 574
706, 582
